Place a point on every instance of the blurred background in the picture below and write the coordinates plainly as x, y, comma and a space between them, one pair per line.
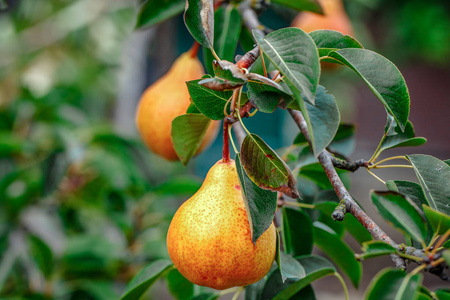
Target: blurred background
84, 205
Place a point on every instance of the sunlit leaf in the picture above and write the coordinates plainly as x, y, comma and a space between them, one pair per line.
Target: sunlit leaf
330, 40
208, 102
374, 249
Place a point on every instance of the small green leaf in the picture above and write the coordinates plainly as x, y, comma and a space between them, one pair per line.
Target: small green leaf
227, 77
339, 252
297, 232
301, 5
260, 204
434, 177
153, 12
145, 278
290, 268
382, 77
316, 173
374, 249
199, 20
394, 137
179, 286
396, 209
316, 267
331, 40
393, 284
210, 103
265, 168
439, 221
187, 133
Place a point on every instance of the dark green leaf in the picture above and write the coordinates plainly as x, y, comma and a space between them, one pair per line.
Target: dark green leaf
422, 296
434, 177
356, 229
210, 103
297, 232
199, 20
153, 12
316, 173
382, 77
145, 278
180, 185
339, 252
394, 137
42, 254
100, 290
260, 204
396, 209
393, 284
326, 208
344, 140
179, 286
374, 249
265, 168
253, 291
330, 40
315, 267
443, 294
410, 189
187, 134
308, 5
439, 221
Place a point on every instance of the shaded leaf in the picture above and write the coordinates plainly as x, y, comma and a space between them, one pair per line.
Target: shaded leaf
260, 204
393, 284
199, 20
179, 185
326, 208
265, 168
42, 254
187, 134
382, 77
410, 189
316, 173
394, 137
301, 5
330, 40
209, 102
439, 221
145, 278
434, 177
356, 229
339, 252
395, 209
374, 249
153, 12
179, 286
290, 268
297, 232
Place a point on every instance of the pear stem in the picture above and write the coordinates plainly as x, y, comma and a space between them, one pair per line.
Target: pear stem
226, 141
194, 49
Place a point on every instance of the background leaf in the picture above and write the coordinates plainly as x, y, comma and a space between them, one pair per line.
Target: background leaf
330, 40
374, 249
434, 177
208, 102
145, 278
153, 12
382, 77
395, 209
199, 20
308, 5
187, 133
179, 286
393, 284
394, 137
260, 204
265, 168
297, 232
439, 221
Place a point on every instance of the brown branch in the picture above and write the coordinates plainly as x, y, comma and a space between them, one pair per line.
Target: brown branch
349, 165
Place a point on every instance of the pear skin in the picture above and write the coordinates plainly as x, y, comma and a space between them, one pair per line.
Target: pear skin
166, 99
209, 239
334, 18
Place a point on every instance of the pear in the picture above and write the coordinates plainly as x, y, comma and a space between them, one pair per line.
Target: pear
166, 99
209, 239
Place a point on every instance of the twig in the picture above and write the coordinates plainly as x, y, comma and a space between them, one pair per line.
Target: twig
348, 165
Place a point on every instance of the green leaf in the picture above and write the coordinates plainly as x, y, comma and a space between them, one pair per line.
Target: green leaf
199, 20
179, 186
290, 268
443, 294
374, 249
99, 290
394, 137
382, 77
344, 140
393, 284
316, 173
42, 254
339, 252
260, 204
210, 103
294, 53
396, 209
422, 296
446, 256
439, 221
326, 208
153, 12
297, 232
409, 189
331, 40
179, 286
434, 177
227, 29
307, 5
356, 229
316, 267
227, 77
145, 278
187, 134
265, 168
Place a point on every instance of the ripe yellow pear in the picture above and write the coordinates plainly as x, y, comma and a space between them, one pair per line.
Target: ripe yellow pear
334, 18
166, 99
209, 238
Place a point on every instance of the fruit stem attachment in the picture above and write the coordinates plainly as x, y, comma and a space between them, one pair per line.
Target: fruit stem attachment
226, 141
194, 49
